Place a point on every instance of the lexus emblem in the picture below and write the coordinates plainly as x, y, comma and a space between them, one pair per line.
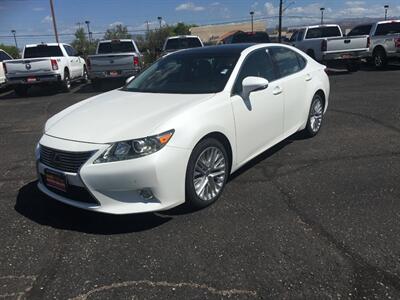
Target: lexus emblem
56, 158
28, 66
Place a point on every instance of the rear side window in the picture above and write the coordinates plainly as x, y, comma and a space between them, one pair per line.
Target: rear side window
360, 30
4, 56
288, 62
42, 51
388, 28
258, 64
323, 32
182, 43
115, 47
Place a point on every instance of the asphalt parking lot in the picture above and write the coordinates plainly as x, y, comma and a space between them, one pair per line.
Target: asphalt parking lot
317, 218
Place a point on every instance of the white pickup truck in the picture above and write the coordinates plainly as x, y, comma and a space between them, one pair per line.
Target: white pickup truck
118, 58
326, 44
3, 57
384, 40
45, 64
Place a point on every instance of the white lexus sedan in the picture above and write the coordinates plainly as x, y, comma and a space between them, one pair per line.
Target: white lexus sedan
177, 131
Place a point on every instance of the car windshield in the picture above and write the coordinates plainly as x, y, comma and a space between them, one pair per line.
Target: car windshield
115, 47
42, 51
182, 43
186, 73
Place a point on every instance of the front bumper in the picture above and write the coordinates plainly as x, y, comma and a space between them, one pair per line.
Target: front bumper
33, 79
117, 187
109, 74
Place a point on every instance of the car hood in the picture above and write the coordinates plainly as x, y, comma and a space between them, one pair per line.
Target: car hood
119, 115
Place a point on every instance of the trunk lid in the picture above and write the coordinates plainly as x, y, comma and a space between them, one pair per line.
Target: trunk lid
347, 44
112, 62
29, 66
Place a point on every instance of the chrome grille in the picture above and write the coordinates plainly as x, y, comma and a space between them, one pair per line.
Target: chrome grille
63, 160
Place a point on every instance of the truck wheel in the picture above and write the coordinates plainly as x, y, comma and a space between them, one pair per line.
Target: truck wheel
21, 90
85, 76
353, 67
379, 58
66, 83
96, 83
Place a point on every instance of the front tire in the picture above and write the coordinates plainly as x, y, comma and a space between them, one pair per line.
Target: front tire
85, 76
207, 173
315, 116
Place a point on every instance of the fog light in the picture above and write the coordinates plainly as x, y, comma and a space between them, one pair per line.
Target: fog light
146, 194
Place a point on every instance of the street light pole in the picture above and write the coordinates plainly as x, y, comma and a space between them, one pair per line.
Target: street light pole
252, 21
159, 20
386, 11
54, 20
280, 21
322, 9
88, 31
15, 38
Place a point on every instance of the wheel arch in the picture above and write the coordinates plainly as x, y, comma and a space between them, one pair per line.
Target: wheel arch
379, 48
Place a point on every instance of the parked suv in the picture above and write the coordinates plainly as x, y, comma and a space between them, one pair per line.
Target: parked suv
45, 64
326, 44
384, 40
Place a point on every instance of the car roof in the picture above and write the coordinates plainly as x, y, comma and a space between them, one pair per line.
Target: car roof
219, 49
45, 44
182, 37
121, 40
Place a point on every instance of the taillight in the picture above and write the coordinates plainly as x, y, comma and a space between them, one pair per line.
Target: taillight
324, 45
368, 42
5, 68
397, 42
88, 64
54, 64
136, 61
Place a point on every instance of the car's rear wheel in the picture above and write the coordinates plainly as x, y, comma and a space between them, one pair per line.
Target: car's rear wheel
207, 173
315, 116
379, 58
66, 83
21, 90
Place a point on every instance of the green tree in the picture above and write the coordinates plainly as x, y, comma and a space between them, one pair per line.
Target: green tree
82, 44
117, 32
182, 29
12, 50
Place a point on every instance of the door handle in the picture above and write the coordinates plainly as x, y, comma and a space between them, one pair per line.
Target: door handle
277, 90
308, 77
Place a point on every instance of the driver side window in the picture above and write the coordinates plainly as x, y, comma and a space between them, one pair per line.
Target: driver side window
258, 64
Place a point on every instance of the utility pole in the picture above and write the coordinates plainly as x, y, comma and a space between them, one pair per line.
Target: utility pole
54, 20
322, 9
88, 31
386, 11
15, 38
252, 21
147, 27
280, 21
159, 20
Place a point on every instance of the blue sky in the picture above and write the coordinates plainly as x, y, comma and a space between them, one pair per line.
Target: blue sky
31, 17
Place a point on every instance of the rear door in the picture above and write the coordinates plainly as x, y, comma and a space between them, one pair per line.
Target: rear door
258, 119
295, 80
74, 62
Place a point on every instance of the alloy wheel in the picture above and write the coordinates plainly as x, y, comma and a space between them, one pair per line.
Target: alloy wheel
316, 115
209, 173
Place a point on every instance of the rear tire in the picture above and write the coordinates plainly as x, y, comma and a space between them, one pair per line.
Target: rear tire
21, 90
206, 173
315, 117
379, 58
66, 83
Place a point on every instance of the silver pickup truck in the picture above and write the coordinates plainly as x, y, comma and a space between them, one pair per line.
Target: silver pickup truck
384, 41
326, 44
119, 58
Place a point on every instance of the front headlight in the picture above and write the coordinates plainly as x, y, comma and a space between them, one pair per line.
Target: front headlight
135, 148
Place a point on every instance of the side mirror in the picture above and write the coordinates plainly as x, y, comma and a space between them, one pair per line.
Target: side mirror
129, 79
252, 84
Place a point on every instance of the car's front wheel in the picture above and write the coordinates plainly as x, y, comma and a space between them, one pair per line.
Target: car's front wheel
315, 116
207, 173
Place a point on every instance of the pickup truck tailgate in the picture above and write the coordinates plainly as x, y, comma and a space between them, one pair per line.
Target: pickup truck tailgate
347, 44
29, 66
112, 62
